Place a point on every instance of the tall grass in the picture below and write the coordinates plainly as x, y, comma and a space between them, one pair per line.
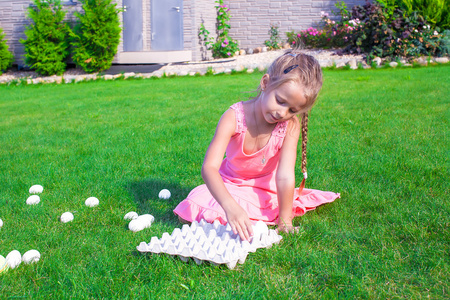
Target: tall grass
379, 137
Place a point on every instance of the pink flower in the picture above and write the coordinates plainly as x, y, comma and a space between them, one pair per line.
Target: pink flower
224, 43
229, 53
293, 42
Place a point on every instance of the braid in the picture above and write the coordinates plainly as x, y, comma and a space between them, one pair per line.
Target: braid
304, 141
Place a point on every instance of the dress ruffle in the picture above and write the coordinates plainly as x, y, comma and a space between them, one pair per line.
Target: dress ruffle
209, 209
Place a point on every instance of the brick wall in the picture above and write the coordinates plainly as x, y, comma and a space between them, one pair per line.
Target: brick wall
251, 19
12, 21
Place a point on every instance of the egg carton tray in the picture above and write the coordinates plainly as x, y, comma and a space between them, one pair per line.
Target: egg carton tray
216, 243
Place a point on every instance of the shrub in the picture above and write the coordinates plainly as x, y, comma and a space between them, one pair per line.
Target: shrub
435, 12
46, 46
392, 33
376, 29
274, 41
6, 57
96, 35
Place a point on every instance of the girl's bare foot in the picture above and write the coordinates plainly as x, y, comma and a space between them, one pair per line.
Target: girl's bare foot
183, 221
287, 229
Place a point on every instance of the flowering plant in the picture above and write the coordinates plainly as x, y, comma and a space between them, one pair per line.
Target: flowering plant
224, 46
274, 42
331, 34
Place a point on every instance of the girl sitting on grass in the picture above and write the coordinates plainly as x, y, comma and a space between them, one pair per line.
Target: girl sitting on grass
256, 180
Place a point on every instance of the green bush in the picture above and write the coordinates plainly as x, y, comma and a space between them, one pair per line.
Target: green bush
46, 46
96, 35
436, 12
6, 57
391, 32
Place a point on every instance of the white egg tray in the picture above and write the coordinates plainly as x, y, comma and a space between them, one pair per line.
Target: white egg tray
215, 243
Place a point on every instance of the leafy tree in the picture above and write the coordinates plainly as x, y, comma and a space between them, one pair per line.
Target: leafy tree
96, 36
6, 57
46, 46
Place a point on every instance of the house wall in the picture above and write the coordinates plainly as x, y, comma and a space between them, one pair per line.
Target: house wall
250, 21
197, 12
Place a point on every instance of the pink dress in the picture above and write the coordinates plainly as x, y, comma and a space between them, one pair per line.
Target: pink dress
250, 179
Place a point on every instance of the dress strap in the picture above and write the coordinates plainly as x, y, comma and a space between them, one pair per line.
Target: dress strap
240, 118
280, 129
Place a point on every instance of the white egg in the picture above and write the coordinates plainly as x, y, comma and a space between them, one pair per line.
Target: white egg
164, 194
91, 202
36, 189
66, 217
13, 259
141, 222
33, 199
131, 215
31, 256
1, 223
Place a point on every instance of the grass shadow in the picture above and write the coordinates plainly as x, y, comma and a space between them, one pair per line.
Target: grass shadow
145, 194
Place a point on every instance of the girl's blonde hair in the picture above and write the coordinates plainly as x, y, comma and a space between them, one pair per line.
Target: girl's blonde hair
300, 68
304, 70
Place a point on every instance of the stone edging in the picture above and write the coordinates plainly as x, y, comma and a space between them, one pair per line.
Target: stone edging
247, 64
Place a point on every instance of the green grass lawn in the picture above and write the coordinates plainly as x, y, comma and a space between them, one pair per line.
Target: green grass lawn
378, 137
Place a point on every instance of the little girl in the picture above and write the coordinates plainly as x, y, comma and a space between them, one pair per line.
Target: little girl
256, 180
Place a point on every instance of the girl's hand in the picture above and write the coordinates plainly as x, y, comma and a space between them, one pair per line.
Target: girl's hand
240, 223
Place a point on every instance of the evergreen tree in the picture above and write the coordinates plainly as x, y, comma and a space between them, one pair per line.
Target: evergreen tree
96, 36
46, 46
6, 57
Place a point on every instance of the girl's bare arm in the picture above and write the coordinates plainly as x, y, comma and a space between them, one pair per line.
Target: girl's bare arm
285, 177
236, 215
